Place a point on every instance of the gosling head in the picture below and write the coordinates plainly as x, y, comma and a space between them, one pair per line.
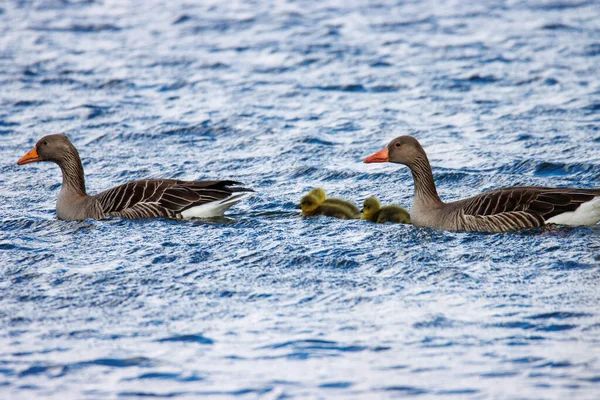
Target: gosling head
370, 207
309, 204
319, 194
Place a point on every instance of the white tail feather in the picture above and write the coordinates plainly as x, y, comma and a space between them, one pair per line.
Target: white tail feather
586, 214
215, 208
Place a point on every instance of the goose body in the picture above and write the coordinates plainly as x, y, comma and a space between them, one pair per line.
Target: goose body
149, 198
500, 210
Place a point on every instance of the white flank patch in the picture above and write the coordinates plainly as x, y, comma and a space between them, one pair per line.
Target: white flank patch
215, 208
588, 213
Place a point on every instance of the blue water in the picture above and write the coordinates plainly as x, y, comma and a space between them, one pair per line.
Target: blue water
285, 96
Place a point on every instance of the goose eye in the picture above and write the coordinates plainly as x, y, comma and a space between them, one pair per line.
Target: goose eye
45, 143
398, 144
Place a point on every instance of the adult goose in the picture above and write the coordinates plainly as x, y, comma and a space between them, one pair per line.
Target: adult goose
149, 198
500, 210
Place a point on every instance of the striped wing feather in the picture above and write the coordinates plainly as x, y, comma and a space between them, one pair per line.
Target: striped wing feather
522, 207
165, 198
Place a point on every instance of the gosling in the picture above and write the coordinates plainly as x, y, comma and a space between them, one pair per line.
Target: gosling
372, 211
312, 205
322, 198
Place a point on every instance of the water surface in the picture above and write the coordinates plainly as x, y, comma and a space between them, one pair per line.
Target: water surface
285, 96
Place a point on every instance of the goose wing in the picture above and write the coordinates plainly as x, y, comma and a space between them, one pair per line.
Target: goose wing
166, 198
521, 207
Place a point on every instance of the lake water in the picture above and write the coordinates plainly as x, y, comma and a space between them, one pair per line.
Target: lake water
285, 96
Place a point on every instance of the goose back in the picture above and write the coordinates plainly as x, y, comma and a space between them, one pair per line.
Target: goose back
166, 198
514, 208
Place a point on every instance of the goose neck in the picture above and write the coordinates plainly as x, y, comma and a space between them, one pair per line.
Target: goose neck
72, 173
425, 190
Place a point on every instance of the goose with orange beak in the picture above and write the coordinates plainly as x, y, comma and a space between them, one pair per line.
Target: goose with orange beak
148, 198
500, 210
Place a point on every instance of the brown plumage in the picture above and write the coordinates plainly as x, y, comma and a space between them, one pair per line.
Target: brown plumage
500, 210
149, 198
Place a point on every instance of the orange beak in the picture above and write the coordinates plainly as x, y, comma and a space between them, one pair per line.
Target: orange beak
380, 156
30, 157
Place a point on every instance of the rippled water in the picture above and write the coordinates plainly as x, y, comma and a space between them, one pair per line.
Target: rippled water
285, 96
